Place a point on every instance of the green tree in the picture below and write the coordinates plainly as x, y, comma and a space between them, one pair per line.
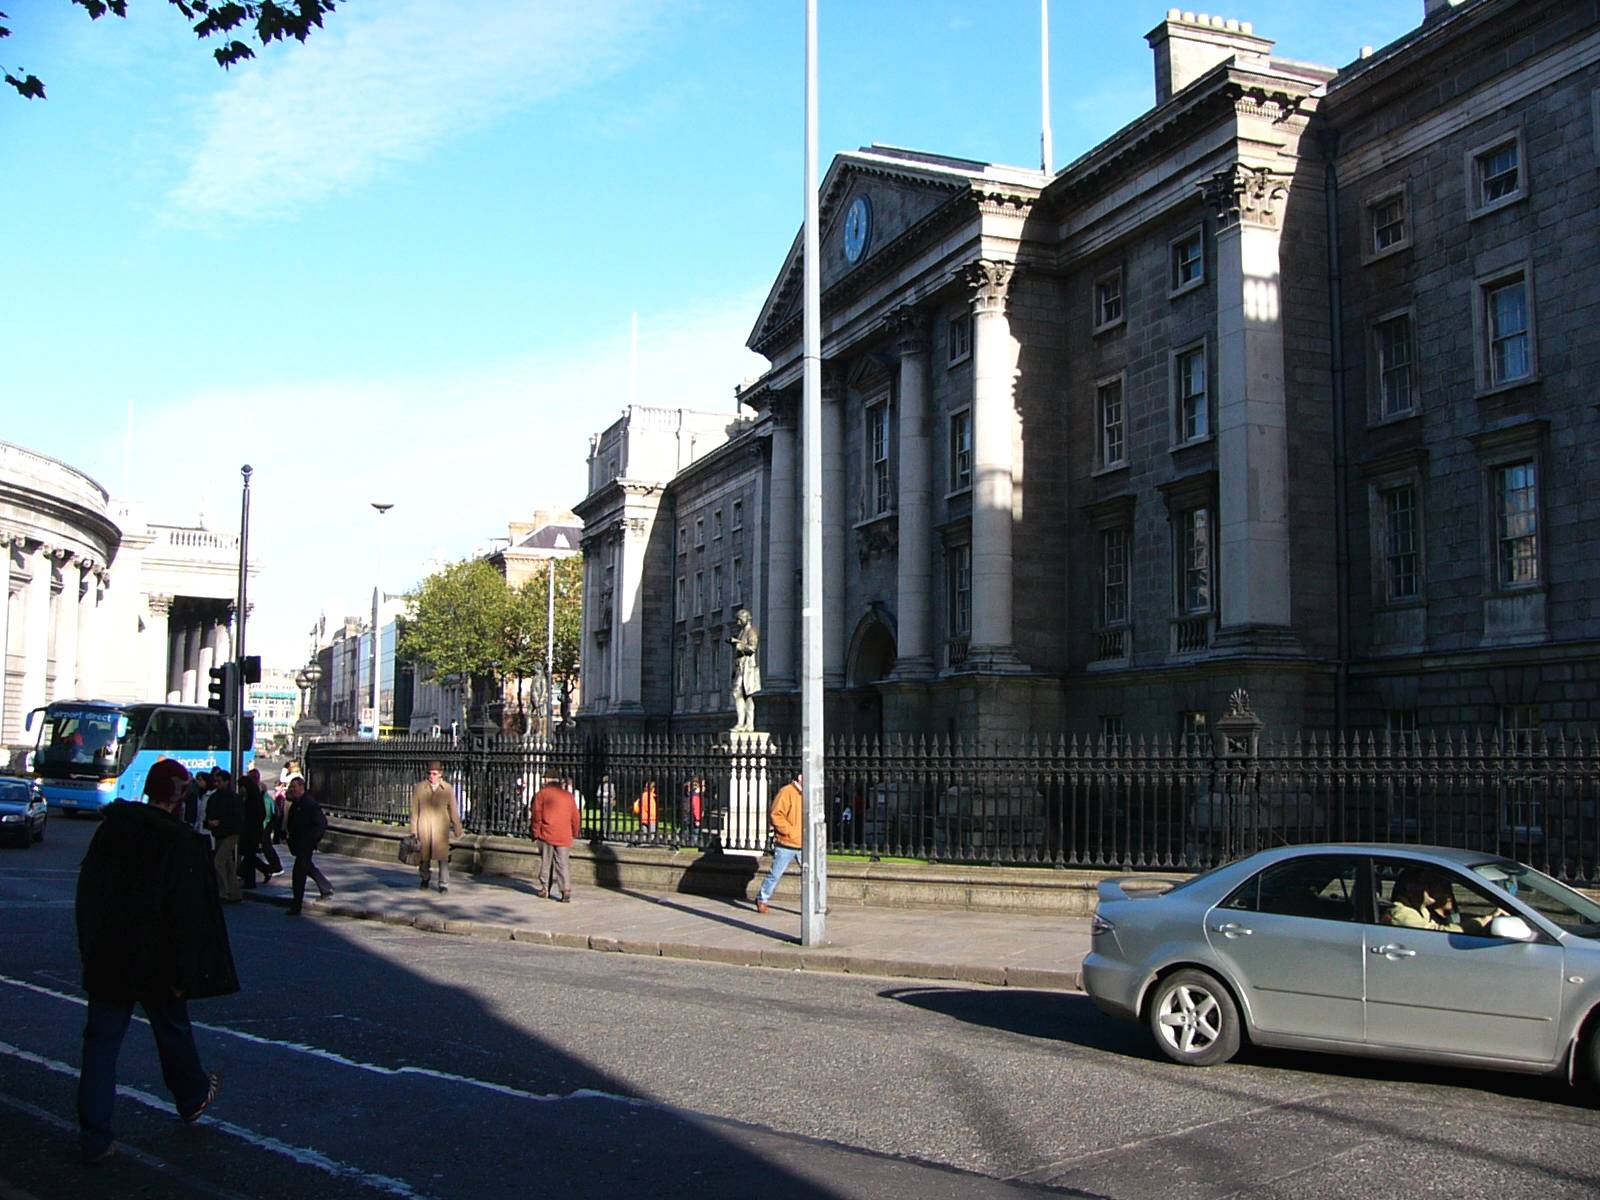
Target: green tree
528, 629
456, 623
465, 621
266, 21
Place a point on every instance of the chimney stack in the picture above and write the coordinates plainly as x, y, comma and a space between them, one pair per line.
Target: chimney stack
1187, 45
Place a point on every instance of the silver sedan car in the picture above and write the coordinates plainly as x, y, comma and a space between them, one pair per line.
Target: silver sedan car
1412, 952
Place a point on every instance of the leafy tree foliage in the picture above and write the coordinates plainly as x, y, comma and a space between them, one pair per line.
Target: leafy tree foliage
465, 621
213, 20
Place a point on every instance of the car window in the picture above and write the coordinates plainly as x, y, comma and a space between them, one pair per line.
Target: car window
1422, 895
11, 789
1559, 904
1321, 886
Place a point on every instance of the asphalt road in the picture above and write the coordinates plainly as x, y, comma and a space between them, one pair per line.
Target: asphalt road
369, 1061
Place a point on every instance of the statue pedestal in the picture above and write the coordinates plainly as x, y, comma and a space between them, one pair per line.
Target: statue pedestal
743, 772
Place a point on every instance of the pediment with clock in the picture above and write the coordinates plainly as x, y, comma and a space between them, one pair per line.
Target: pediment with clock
871, 202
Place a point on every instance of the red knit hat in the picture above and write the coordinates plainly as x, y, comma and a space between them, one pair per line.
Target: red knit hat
164, 780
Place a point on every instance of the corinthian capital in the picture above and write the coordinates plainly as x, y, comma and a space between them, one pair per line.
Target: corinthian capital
160, 606
1244, 194
909, 325
988, 282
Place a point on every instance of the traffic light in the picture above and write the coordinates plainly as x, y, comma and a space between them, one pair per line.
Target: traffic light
223, 690
217, 689
251, 663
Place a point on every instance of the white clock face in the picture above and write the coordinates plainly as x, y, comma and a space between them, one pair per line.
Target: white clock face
857, 225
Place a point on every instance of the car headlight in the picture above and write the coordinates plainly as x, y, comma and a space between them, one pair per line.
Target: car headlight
12, 818
1099, 925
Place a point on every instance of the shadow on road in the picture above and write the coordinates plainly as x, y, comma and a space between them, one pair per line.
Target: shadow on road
1054, 1016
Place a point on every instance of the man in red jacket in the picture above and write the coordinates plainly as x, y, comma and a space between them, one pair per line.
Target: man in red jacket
554, 824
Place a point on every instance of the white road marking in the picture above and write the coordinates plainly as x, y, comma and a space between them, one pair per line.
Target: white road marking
303, 1155
123, 1150
334, 1057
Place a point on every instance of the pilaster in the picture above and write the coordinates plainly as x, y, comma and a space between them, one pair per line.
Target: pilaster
66, 683
833, 521
994, 352
159, 609
778, 622
914, 559
1252, 411
36, 630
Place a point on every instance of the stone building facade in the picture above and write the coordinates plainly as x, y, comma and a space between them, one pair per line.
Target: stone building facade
1280, 388
99, 603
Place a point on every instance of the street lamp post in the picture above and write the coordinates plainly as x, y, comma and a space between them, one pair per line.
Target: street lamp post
377, 630
550, 648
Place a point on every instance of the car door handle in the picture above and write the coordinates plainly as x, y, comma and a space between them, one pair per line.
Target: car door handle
1233, 929
1393, 950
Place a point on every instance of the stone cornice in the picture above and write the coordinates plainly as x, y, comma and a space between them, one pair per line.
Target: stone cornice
1227, 92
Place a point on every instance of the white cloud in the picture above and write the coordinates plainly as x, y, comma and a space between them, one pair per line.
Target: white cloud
458, 453
384, 83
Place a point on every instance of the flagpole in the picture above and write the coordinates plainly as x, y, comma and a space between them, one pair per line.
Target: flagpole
814, 856
1045, 149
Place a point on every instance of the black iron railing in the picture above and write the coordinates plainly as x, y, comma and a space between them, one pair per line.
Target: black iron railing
1160, 803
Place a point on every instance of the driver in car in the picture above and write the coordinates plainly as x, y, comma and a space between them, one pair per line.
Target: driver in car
1427, 900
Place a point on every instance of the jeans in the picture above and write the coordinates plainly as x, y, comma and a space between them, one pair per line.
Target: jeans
102, 1041
782, 856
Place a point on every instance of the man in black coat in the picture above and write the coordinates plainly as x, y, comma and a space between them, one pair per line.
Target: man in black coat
305, 825
225, 820
151, 931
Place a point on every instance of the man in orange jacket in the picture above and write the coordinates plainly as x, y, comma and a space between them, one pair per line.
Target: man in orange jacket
788, 837
555, 824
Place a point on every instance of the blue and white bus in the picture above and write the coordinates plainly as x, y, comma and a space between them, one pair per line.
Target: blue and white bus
91, 752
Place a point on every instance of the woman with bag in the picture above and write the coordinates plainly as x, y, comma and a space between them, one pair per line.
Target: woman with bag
435, 819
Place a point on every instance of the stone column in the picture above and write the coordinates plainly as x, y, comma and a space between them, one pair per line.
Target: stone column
628, 637
87, 668
994, 437
833, 519
155, 634
7, 541
36, 631
178, 651
1252, 435
914, 558
777, 624
67, 619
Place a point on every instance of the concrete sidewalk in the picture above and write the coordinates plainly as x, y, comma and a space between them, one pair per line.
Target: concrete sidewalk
1002, 949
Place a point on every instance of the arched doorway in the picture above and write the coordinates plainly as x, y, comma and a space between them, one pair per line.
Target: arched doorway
871, 658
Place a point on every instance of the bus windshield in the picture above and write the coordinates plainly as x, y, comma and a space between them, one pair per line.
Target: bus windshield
80, 742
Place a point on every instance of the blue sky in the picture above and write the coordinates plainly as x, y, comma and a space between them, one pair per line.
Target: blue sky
399, 262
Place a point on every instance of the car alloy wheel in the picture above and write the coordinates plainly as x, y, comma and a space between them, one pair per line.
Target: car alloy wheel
1194, 1019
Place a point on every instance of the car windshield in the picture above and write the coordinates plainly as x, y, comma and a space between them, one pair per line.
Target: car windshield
1554, 901
15, 790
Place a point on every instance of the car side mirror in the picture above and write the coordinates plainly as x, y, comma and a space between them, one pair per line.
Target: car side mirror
1513, 929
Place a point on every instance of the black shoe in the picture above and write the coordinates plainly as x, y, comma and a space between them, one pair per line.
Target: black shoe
567, 899
443, 887
93, 1158
423, 884
292, 911
327, 895
213, 1086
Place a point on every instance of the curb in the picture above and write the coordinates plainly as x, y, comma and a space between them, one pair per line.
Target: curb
828, 961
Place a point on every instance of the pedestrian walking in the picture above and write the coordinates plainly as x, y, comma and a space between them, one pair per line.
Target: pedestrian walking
435, 819
252, 832
306, 823
606, 794
788, 837
150, 932
225, 821
555, 826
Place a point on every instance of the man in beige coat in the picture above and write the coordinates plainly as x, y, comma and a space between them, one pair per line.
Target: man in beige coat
435, 819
